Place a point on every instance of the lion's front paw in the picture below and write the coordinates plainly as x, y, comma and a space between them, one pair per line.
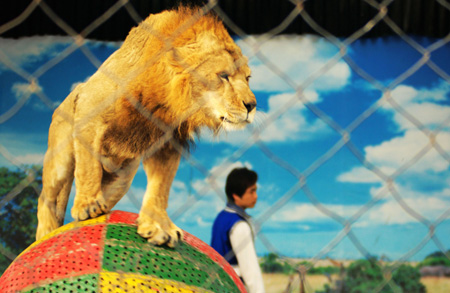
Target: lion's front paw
159, 233
90, 208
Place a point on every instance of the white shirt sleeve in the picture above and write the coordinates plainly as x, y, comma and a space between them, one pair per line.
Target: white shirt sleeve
242, 242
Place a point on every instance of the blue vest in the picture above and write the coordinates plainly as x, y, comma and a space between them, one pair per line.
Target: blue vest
220, 239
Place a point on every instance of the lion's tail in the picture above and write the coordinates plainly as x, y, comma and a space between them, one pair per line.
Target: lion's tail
58, 172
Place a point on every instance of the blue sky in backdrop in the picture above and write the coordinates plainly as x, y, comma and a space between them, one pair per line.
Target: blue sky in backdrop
297, 137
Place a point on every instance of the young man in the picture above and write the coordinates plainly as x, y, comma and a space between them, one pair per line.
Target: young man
232, 233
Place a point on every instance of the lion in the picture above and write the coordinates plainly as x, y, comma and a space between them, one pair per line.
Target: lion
176, 73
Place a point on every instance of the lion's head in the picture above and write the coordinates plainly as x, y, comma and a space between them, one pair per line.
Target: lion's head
220, 84
194, 74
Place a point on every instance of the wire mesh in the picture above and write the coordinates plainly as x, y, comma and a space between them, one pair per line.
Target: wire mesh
255, 43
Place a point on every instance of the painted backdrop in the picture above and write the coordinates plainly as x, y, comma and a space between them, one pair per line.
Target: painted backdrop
378, 194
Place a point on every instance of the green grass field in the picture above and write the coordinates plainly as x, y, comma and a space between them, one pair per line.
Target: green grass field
277, 283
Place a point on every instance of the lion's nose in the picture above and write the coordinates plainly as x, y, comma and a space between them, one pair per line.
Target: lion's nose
250, 106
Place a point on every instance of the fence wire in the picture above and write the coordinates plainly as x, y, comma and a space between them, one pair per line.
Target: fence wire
254, 141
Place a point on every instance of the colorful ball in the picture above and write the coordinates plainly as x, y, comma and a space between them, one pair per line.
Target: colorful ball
106, 254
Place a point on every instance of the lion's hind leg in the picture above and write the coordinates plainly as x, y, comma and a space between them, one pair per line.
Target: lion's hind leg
116, 183
57, 180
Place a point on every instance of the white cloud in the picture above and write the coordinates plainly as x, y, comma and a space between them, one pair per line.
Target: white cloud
179, 185
75, 84
422, 104
362, 175
21, 89
28, 50
392, 154
292, 125
307, 212
297, 57
26, 90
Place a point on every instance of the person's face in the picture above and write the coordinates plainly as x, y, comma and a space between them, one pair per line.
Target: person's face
248, 199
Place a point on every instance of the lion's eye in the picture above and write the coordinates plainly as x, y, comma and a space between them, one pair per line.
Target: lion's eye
224, 75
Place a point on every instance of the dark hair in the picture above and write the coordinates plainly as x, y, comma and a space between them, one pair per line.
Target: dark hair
238, 181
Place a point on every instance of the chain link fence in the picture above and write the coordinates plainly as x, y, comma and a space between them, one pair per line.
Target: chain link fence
345, 133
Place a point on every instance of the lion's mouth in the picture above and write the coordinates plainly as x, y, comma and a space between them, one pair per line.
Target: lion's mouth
226, 120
